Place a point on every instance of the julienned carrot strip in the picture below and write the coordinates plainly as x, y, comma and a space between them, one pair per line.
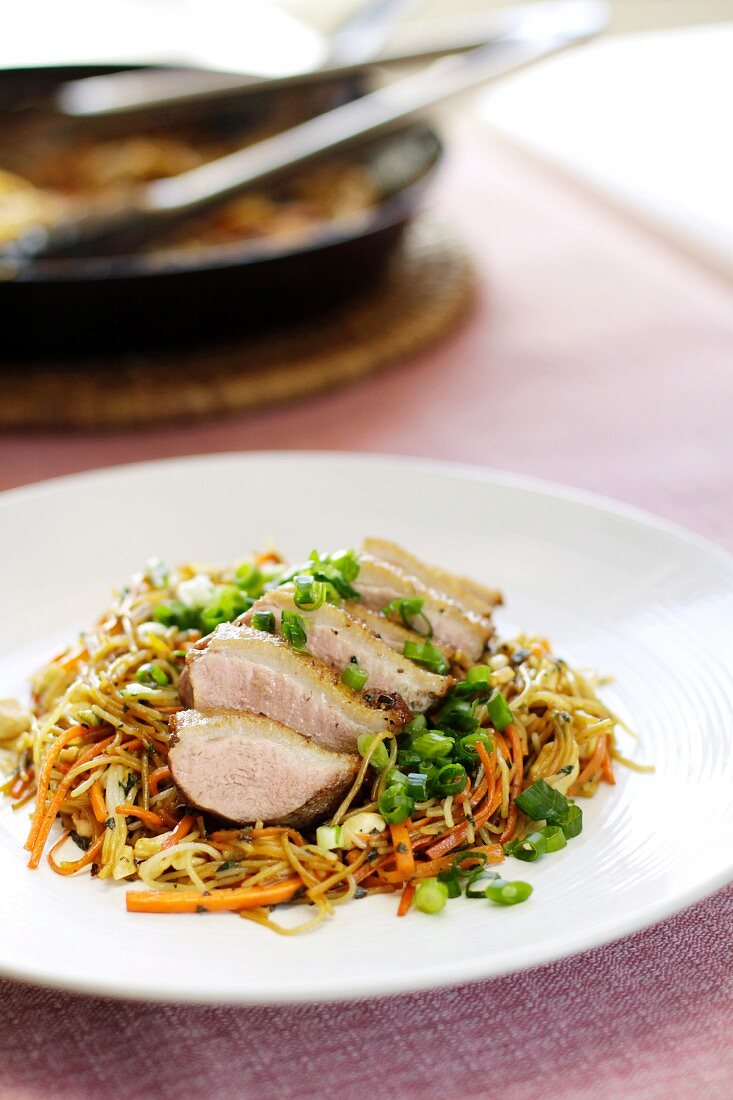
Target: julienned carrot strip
157, 776
493, 852
406, 900
368, 868
479, 792
44, 778
457, 835
96, 798
516, 783
404, 858
192, 901
594, 764
183, 828
155, 821
607, 766
54, 806
72, 866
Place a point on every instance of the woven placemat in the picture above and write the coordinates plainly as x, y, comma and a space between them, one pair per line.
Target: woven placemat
428, 285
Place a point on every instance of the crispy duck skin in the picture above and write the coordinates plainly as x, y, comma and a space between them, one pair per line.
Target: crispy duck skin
335, 637
247, 768
454, 628
237, 668
468, 593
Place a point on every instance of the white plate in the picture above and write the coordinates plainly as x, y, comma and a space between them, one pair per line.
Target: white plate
612, 587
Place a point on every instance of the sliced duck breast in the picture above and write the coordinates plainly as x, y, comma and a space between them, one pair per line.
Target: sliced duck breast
247, 768
238, 668
337, 638
453, 627
462, 590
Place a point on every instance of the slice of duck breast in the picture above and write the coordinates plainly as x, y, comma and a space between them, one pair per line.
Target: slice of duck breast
462, 590
386, 630
336, 638
454, 627
246, 768
238, 668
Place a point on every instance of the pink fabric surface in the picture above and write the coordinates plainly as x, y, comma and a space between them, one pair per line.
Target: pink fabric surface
595, 356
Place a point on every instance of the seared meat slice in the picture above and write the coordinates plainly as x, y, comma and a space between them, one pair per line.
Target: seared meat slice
247, 768
462, 590
391, 633
243, 669
454, 627
334, 637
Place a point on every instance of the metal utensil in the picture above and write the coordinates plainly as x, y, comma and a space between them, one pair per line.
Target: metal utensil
158, 205
145, 91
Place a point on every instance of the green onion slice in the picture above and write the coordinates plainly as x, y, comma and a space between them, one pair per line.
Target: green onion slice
432, 744
450, 779
354, 676
293, 630
309, 594
379, 759
409, 610
555, 838
507, 893
428, 655
542, 802
499, 711
395, 805
530, 848
264, 620
431, 895
152, 674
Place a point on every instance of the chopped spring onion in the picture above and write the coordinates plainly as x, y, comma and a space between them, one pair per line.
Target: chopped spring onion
528, 849
250, 578
354, 676
499, 712
309, 594
477, 883
450, 779
264, 620
416, 725
432, 744
410, 610
450, 880
329, 837
431, 895
555, 838
395, 804
228, 603
380, 757
417, 786
293, 629
408, 758
466, 748
428, 655
479, 674
174, 613
542, 802
459, 715
507, 893
572, 823
152, 674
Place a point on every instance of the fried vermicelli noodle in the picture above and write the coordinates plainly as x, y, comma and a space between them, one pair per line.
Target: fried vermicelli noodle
96, 757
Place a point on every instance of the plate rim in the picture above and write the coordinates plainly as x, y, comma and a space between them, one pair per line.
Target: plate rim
443, 975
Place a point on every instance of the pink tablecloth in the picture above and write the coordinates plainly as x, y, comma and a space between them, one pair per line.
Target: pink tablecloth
597, 357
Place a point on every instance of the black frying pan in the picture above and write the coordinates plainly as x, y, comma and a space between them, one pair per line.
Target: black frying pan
61, 308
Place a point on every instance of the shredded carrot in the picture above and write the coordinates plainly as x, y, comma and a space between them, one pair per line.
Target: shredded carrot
71, 867
594, 765
608, 766
429, 868
404, 857
96, 798
157, 776
44, 779
406, 900
192, 901
183, 828
148, 816
516, 783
